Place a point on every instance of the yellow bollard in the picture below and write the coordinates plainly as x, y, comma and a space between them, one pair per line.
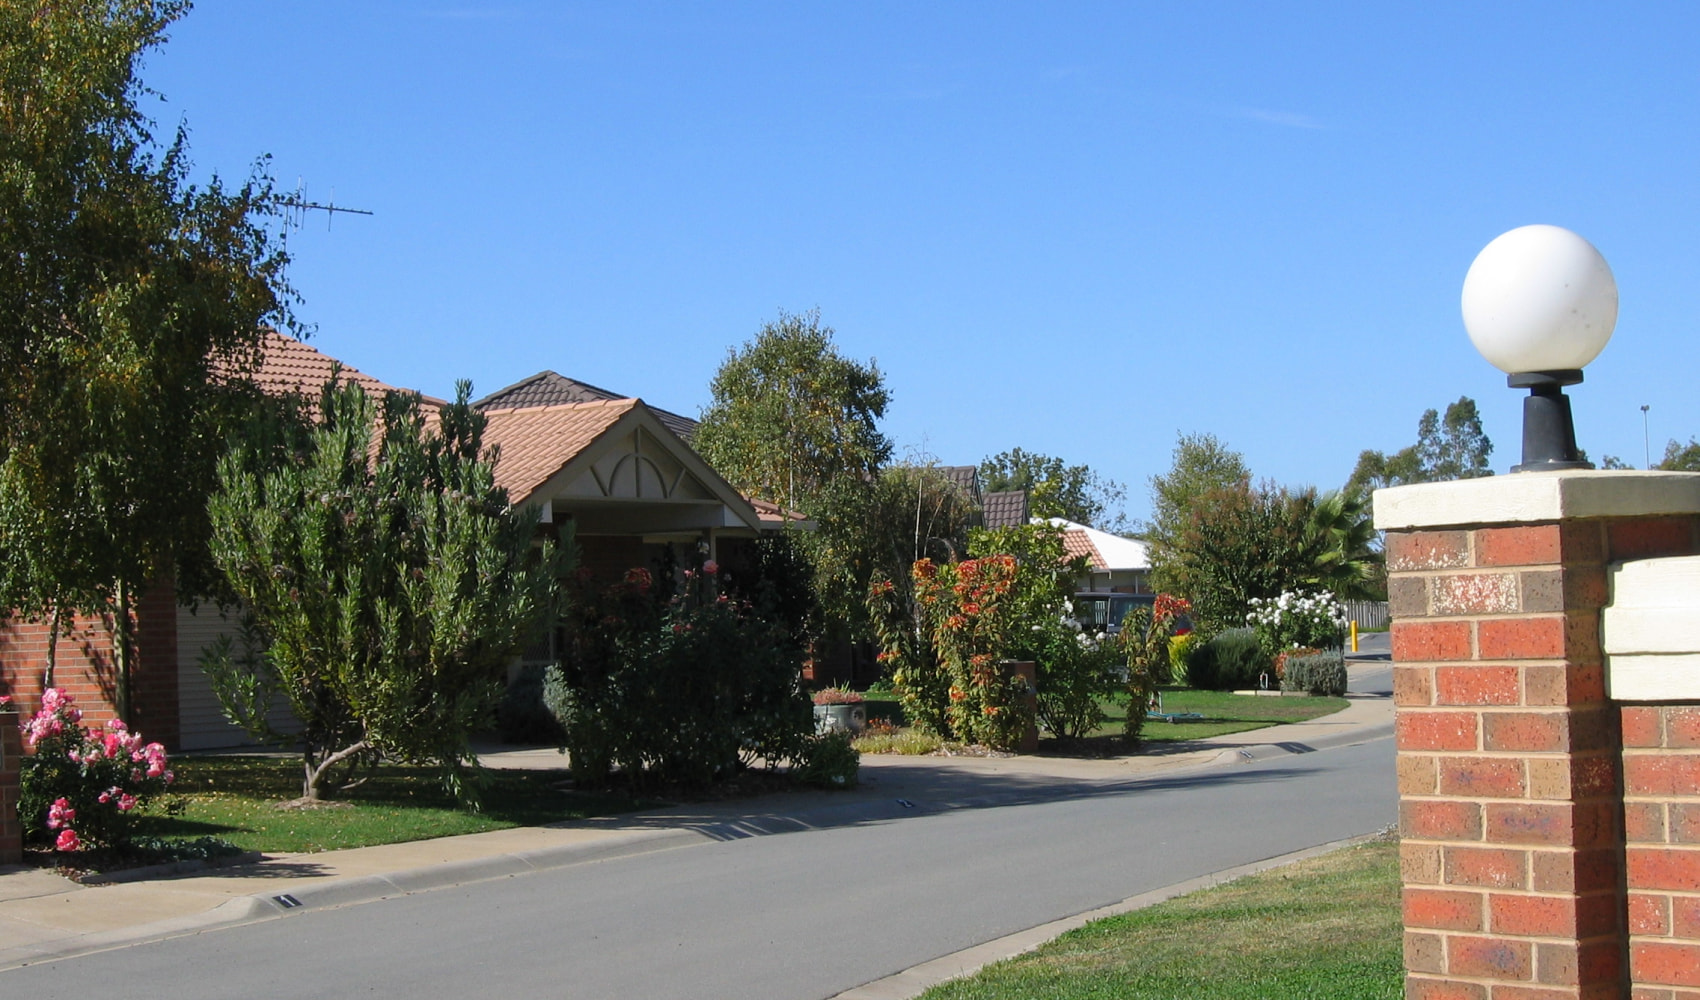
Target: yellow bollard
1354, 636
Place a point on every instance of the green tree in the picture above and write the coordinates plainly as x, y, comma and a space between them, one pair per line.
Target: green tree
869, 531
1342, 533
790, 415
1681, 457
1056, 489
1202, 465
1242, 542
389, 582
123, 288
1453, 446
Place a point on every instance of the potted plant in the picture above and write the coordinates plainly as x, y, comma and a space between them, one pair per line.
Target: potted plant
839, 709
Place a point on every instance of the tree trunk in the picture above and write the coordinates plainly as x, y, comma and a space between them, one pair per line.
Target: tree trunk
314, 774
52, 647
121, 653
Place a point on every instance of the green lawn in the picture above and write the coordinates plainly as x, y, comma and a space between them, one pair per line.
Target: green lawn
1222, 713
1323, 929
235, 799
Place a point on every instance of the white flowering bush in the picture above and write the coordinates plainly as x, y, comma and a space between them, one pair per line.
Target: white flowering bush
1297, 619
82, 786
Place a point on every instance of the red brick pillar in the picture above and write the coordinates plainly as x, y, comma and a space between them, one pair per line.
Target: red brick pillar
1661, 771
11, 761
1510, 759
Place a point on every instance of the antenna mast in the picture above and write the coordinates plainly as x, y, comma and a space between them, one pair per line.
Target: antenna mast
299, 206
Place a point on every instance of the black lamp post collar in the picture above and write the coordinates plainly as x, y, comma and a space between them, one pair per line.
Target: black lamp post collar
1549, 432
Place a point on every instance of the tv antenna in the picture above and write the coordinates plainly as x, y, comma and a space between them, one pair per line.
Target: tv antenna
298, 206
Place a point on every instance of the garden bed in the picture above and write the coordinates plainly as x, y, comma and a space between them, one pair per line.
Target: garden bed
1219, 713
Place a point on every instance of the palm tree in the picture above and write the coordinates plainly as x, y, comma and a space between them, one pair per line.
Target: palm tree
1350, 562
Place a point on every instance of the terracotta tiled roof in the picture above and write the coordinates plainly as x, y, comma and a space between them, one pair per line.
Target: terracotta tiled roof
548, 388
288, 365
538, 441
774, 516
1004, 510
1075, 543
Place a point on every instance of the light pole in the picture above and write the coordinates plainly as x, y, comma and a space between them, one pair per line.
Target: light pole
1539, 304
1646, 440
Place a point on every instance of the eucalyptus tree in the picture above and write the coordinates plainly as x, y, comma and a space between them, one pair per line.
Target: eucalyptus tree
124, 289
791, 416
1452, 446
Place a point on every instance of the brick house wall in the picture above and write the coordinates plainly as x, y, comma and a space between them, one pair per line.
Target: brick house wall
1550, 836
85, 667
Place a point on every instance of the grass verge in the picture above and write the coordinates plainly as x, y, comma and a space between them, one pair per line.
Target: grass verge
235, 799
1222, 713
1323, 929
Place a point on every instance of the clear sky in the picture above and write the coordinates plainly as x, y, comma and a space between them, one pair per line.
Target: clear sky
1076, 228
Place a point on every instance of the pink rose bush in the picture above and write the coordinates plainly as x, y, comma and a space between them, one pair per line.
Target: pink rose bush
83, 785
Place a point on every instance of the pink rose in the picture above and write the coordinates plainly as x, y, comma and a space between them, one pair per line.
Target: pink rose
68, 841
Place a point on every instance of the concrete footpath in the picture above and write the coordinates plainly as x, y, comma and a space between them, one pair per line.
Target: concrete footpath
44, 916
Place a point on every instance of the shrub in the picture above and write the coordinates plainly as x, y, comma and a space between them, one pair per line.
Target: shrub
1180, 648
1318, 673
829, 760
1145, 636
1297, 618
972, 609
1229, 660
522, 716
687, 689
83, 786
1076, 671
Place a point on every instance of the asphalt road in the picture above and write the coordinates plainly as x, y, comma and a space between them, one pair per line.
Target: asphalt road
792, 916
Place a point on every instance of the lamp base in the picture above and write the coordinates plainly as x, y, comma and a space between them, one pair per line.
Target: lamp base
1549, 432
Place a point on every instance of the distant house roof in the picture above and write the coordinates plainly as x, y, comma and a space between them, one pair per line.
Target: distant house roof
1104, 551
289, 366
1004, 510
548, 388
966, 478
774, 516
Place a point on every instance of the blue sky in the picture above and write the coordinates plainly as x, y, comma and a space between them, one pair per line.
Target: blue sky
1076, 228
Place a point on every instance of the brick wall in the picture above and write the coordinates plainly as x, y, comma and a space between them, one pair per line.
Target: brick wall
11, 756
1661, 809
1511, 766
86, 669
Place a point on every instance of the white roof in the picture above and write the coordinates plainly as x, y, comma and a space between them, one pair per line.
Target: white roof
1108, 552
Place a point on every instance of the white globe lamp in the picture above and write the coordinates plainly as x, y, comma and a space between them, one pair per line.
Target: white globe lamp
1539, 304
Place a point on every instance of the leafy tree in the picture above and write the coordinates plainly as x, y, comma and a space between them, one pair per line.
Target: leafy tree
389, 583
1349, 561
1202, 464
1449, 447
1681, 458
122, 288
1074, 492
1242, 542
875, 530
790, 415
